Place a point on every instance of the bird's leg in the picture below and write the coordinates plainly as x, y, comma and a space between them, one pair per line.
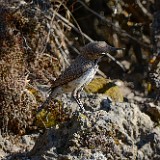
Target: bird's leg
76, 96
157, 96
45, 103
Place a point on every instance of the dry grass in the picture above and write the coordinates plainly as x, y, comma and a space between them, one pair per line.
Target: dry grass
34, 51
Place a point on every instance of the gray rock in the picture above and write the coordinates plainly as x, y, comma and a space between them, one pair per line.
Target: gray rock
108, 131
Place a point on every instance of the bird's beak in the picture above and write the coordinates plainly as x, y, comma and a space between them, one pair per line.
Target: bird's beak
111, 49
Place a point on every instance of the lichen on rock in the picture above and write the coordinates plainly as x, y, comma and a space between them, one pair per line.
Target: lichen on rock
106, 87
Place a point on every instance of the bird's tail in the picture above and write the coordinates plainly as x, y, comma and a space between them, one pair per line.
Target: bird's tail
46, 102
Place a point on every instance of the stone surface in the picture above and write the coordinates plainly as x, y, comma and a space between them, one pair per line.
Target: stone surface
107, 130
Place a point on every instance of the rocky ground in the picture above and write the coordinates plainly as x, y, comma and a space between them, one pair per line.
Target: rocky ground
107, 130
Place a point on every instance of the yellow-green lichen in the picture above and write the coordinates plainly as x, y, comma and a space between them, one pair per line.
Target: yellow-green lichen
105, 86
50, 117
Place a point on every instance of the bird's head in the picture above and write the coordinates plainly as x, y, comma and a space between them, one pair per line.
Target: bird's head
97, 49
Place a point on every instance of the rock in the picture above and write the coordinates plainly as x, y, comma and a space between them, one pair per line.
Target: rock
106, 87
120, 132
153, 111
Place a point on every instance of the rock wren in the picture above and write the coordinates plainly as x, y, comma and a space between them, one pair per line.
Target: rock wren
80, 72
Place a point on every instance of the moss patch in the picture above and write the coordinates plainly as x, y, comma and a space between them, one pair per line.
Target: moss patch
105, 86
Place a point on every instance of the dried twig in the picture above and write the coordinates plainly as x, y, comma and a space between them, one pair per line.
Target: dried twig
79, 28
144, 10
68, 24
51, 23
60, 47
115, 28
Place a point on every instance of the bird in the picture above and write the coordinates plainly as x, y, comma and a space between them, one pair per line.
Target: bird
154, 74
80, 72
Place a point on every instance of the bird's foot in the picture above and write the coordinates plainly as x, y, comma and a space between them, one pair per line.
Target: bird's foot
81, 108
79, 111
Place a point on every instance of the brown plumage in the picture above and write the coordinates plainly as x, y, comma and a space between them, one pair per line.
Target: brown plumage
80, 72
79, 66
154, 75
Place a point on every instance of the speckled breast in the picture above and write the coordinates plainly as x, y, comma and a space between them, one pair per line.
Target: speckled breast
81, 81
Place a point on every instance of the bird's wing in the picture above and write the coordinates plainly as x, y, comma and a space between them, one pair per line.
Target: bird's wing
74, 71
